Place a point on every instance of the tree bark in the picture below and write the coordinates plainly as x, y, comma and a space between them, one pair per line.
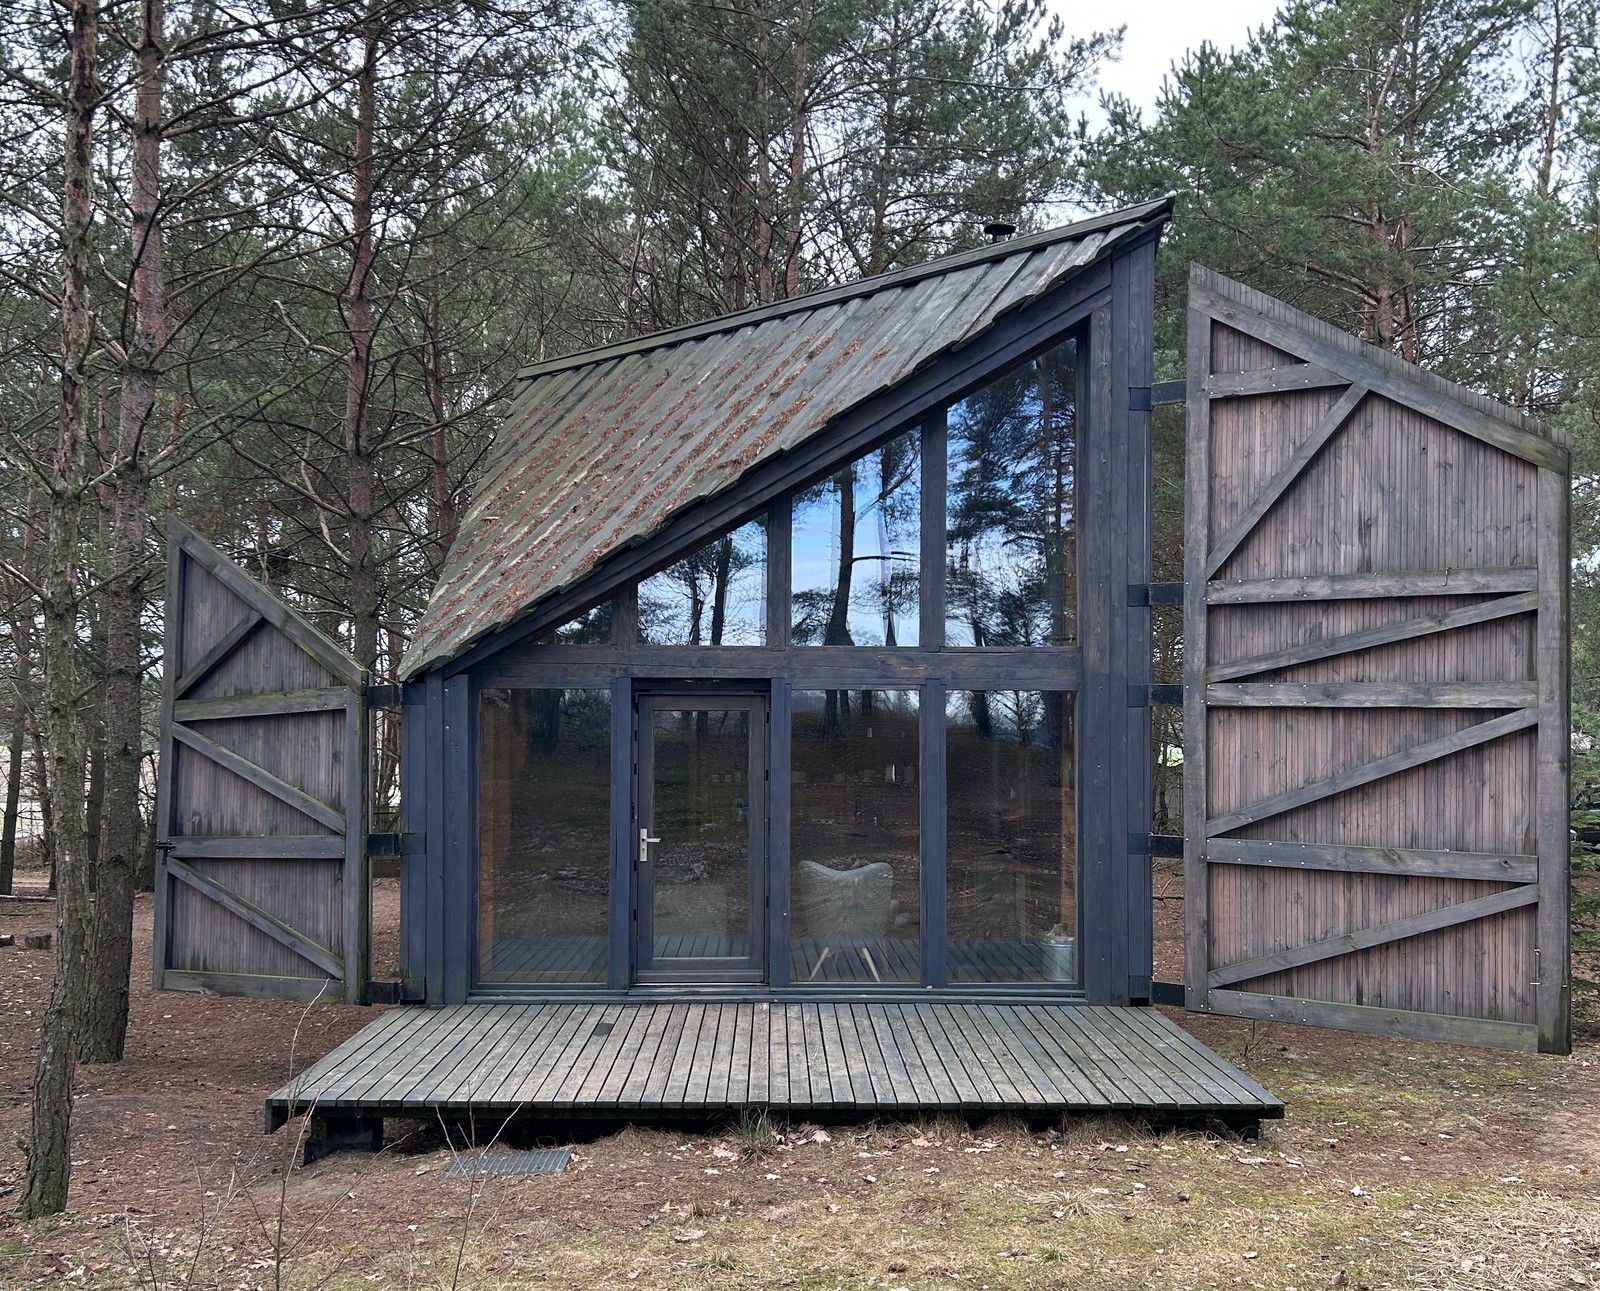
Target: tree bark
8, 834
444, 502
106, 1025
359, 471
49, 1168
798, 123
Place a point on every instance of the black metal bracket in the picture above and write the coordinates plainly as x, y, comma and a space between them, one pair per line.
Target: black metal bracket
1167, 993
1138, 398
1167, 392
1140, 594
396, 844
383, 696
1168, 845
1151, 696
383, 993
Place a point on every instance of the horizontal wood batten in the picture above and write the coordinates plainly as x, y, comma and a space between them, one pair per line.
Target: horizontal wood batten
1372, 694
256, 917
251, 986
311, 847
1045, 669
1439, 1027
1407, 630
1345, 587
1414, 862
1428, 751
1291, 376
321, 700
262, 779
1380, 934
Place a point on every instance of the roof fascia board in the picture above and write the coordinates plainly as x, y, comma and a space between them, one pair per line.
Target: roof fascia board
942, 380
1153, 214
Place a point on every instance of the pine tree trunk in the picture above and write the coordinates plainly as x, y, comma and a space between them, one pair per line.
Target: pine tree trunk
106, 1026
444, 503
49, 1168
8, 832
359, 472
797, 153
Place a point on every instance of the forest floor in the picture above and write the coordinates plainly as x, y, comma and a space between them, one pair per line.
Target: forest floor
1399, 1164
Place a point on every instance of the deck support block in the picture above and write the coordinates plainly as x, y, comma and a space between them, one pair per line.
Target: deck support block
328, 1134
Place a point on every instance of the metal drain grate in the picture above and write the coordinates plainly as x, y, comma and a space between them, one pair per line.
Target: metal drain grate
480, 1165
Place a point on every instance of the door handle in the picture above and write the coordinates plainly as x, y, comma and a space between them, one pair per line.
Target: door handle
645, 840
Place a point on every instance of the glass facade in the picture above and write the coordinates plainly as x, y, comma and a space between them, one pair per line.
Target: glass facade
855, 861
1011, 543
858, 551
592, 627
1001, 553
715, 597
1011, 873
544, 835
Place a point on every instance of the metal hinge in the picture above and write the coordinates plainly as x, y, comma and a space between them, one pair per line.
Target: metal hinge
383, 696
1168, 845
1151, 696
1155, 594
1168, 392
1138, 398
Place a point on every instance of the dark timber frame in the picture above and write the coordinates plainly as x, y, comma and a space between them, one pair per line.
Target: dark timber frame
1108, 307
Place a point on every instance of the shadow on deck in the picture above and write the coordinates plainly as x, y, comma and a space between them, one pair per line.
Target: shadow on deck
649, 1062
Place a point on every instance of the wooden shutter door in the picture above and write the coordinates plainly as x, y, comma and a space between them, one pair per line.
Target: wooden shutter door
1376, 740
261, 797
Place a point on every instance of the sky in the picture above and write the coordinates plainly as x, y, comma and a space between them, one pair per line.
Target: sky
1158, 34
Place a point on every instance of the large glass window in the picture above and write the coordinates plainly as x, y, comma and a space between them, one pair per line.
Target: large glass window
1011, 836
544, 835
1011, 546
716, 596
592, 627
857, 551
855, 847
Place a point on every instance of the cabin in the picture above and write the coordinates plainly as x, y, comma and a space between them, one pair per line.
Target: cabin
779, 731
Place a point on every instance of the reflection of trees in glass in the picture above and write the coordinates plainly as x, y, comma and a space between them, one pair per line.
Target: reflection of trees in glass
700, 600
1011, 826
870, 512
1011, 546
592, 627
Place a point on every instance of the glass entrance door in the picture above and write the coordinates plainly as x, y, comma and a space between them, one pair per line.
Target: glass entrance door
700, 838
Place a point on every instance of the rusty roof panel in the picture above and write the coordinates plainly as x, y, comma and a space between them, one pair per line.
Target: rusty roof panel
600, 450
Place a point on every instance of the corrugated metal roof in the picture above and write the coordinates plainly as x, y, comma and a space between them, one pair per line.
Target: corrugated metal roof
601, 449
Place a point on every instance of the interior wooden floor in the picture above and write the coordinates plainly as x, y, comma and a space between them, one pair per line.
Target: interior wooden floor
644, 1061
546, 960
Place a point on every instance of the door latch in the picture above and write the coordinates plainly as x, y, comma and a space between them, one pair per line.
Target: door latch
645, 840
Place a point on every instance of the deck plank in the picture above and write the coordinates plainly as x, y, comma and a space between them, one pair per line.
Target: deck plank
664, 1027
940, 1089
551, 1069
676, 1084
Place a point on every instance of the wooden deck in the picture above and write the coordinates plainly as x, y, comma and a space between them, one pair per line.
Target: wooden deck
645, 1061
